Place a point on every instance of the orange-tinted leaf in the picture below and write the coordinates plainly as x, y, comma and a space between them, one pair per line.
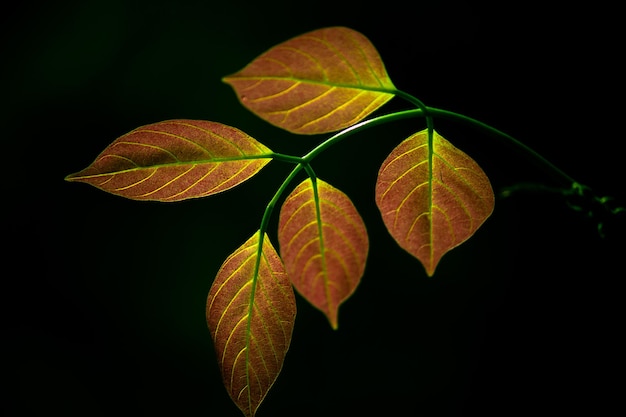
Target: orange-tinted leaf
250, 311
324, 246
175, 160
432, 199
318, 82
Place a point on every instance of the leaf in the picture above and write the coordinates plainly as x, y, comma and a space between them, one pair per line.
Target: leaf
175, 160
250, 312
324, 245
319, 82
432, 198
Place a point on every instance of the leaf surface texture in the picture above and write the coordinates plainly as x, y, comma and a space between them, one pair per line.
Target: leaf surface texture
324, 245
250, 312
432, 197
175, 160
319, 82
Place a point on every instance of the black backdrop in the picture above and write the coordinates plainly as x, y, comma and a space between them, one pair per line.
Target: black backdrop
104, 298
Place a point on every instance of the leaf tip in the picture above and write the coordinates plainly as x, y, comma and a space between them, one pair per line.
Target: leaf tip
70, 177
334, 323
227, 79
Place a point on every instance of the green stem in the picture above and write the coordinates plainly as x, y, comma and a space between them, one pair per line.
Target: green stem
286, 158
425, 111
359, 126
432, 111
428, 111
496, 132
573, 187
267, 214
422, 111
270, 206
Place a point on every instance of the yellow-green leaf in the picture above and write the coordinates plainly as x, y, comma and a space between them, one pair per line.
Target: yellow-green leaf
324, 245
176, 160
432, 198
319, 82
250, 312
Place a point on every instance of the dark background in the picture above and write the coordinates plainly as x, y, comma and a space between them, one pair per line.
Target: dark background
104, 297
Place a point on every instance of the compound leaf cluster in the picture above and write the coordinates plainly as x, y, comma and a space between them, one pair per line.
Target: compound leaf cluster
432, 197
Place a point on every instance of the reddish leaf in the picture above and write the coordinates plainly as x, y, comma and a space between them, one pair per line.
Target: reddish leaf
432, 198
318, 82
175, 160
324, 245
250, 311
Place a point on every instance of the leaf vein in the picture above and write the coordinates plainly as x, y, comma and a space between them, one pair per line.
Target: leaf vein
167, 183
136, 183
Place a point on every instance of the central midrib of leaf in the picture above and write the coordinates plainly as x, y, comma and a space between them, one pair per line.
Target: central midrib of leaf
430, 190
390, 90
320, 232
257, 266
178, 163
